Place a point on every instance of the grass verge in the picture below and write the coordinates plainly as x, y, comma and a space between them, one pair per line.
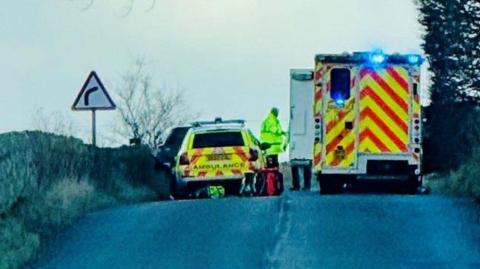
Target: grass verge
464, 181
47, 182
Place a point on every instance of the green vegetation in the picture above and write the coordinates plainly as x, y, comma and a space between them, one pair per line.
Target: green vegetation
463, 181
48, 181
452, 135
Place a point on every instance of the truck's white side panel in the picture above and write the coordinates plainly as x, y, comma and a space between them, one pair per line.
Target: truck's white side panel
301, 115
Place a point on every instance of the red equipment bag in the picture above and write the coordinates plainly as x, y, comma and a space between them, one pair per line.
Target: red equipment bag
270, 182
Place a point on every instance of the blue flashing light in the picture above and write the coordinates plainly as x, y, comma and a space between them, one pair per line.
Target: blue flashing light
340, 102
377, 58
413, 59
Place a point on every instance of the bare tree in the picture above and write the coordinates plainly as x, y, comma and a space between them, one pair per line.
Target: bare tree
53, 122
146, 111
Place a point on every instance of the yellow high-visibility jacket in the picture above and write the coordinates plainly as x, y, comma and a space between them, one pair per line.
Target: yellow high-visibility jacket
271, 132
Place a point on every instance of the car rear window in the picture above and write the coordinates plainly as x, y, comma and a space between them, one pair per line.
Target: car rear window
220, 139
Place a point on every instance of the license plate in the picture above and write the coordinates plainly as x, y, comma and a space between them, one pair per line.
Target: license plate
219, 157
339, 154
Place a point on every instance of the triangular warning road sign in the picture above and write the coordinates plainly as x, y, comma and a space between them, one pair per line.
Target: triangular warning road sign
93, 95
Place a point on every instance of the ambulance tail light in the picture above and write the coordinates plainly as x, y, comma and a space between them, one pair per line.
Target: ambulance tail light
184, 159
253, 155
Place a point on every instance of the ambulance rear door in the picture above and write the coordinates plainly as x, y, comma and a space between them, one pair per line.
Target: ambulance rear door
340, 116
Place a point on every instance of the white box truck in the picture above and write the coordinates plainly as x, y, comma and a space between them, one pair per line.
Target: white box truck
301, 131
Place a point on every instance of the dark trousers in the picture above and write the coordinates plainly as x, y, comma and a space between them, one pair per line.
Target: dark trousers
307, 176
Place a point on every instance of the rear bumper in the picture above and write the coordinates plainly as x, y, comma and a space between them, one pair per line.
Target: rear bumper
379, 165
209, 179
187, 185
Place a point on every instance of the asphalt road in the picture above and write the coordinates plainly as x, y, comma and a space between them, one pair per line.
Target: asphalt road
298, 230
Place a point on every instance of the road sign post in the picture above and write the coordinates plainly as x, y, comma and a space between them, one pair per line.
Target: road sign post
93, 96
94, 129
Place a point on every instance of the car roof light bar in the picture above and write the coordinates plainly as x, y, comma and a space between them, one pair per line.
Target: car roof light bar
218, 121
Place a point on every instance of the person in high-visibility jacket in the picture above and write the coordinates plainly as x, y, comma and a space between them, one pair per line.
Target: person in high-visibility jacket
271, 133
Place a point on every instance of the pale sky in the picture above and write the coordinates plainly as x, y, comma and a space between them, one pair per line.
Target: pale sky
232, 57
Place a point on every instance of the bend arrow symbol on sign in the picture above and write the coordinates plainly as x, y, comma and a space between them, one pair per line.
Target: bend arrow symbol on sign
87, 95
93, 95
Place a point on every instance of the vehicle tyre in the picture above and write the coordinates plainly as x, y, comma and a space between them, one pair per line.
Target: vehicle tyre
411, 185
329, 185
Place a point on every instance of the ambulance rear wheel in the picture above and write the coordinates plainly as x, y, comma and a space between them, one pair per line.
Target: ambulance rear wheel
411, 185
329, 184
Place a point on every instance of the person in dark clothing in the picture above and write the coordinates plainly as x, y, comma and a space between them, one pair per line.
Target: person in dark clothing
297, 173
